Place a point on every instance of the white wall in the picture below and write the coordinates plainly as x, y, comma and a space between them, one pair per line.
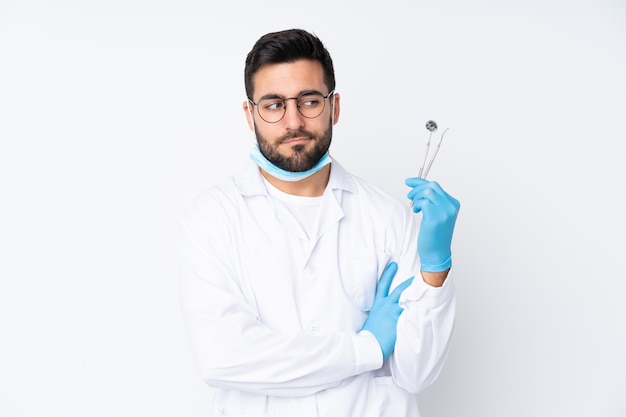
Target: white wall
114, 114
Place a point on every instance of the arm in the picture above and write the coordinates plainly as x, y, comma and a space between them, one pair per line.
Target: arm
435, 279
426, 324
233, 347
424, 334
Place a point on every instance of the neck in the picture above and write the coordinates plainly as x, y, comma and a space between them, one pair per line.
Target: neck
311, 186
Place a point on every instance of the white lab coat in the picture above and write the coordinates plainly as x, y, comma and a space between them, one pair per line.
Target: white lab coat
274, 317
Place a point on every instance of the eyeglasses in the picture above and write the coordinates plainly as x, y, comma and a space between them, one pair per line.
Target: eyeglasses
310, 105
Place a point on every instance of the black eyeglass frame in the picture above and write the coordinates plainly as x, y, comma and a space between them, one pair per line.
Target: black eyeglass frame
284, 100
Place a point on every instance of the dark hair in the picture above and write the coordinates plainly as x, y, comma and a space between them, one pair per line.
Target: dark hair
285, 47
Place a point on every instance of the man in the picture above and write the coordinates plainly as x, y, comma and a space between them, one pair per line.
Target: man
288, 266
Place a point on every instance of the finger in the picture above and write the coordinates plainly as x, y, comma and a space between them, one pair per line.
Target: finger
395, 294
415, 181
434, 194
420, 184
385, 280
421, 191
418, 204
422, 199
440, 202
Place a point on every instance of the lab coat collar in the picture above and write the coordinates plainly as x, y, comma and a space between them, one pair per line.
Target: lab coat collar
340, 179
250, 182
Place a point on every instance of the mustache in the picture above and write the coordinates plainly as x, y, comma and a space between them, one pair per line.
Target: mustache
297, 134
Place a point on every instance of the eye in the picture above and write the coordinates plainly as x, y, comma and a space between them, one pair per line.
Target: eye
272, 105
310, 100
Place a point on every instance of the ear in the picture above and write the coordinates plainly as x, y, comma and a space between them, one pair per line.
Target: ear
336, 107
247, 109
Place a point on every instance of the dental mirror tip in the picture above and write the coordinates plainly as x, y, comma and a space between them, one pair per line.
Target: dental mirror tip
431, 125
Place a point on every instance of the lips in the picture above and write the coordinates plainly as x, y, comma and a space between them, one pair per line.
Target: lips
298, 137
299, 140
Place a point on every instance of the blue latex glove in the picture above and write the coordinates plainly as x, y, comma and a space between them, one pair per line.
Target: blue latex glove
383, 317
439, 211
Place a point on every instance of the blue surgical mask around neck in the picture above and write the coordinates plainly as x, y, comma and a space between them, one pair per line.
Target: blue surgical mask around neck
282, 174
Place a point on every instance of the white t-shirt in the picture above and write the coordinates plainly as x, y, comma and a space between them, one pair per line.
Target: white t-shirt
306, 210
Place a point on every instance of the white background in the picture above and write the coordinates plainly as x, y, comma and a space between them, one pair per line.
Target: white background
114, 114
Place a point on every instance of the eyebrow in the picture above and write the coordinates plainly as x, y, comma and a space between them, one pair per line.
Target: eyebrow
301, 93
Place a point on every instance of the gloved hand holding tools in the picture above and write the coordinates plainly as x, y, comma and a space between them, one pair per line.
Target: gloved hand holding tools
439, 212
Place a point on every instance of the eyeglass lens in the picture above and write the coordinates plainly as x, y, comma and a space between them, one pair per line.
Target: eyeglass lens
309, 105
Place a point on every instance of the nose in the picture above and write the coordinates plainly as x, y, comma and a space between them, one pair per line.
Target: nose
292, 119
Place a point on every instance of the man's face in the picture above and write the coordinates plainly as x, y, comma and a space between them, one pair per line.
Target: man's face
295, 143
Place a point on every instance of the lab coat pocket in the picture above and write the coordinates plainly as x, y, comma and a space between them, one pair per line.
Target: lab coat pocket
361, 279
393, 400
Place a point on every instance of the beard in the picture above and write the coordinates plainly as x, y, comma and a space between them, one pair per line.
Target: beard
300, 160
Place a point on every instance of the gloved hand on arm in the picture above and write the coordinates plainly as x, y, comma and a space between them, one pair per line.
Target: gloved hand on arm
439, 212
384, 314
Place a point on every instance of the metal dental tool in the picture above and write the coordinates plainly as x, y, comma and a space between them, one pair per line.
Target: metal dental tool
431, 126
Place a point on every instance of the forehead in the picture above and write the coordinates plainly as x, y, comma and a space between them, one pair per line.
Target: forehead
289, 79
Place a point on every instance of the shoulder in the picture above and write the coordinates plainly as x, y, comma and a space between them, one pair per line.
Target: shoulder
226, 195
215, 207
221, 195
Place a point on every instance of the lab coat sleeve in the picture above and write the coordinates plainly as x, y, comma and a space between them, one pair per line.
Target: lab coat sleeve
233, 347
425, 326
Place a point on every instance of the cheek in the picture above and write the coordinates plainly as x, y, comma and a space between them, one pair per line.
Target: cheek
265, 134
319, 125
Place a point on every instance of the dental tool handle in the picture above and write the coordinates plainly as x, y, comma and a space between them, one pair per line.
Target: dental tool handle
435, 155
425, 155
